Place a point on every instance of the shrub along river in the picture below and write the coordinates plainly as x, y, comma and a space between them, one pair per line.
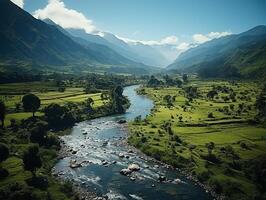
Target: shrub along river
98, 152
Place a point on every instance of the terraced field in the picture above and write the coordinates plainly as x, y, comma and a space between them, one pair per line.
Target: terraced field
48, 93
192, 126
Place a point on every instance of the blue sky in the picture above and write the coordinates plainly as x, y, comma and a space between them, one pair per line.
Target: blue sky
156, 19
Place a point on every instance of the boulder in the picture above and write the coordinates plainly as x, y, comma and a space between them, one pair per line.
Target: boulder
125, 172
162, 178
133, 167
121, 155
121, 121
75, 165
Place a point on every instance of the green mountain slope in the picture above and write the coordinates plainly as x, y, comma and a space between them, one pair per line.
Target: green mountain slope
27, 41
242, 55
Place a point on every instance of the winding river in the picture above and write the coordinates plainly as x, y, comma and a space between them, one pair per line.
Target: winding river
99, 152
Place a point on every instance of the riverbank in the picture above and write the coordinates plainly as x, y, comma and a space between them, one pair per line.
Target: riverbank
97, 152
166, 134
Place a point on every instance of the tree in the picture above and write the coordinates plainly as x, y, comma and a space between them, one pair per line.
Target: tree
261, 106
185, 78
210, 146
32, 159
168, 99
2, 113
154, 82
191, 92
38, 133
104, 95
211, 94
179, 82
31, 103
119, 102
89, 103
61, 89
59, 116
4, 152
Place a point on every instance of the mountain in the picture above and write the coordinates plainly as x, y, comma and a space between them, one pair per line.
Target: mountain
27, 41
137, 52
239, 55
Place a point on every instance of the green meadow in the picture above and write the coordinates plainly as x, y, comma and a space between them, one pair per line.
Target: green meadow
195, 122
48, 93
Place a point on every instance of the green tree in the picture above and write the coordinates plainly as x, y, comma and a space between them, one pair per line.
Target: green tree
261, 106
179, 82
39, 132
211, 94
119, 102
154, 82
2, 113
31, 103
4, 152
210, 146
185, 78
168, 99
32, 159
59, 116
89, 102
191, 92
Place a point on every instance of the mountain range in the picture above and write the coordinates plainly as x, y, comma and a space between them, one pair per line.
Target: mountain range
238, 55
137, 52
27, 41
31, 44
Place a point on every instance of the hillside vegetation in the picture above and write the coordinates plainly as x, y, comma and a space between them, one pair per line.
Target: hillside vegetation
240, 56
207, 128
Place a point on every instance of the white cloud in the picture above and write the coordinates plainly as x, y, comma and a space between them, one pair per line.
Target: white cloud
67, 18
200, 38
20, 3
183, 46
170, 40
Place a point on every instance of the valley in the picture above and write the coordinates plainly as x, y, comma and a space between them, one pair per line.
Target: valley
212, 137
132, 100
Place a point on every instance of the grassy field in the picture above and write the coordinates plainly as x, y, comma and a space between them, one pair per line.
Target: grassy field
48, 93
192, 127
18, 176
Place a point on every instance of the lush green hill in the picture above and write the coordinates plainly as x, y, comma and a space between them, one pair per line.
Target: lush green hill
26, 41
242, 55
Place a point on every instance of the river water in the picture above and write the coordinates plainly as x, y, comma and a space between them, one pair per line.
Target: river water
99, 149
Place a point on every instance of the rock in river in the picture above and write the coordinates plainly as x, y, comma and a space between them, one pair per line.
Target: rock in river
121, 121
162, 178
125, 172
133, 167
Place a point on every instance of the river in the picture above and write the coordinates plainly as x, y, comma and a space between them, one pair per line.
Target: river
99, 148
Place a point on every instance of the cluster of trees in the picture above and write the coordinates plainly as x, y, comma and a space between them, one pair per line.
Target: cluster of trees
59, 116
167, 81
30, 102
222, 89
191, 92
14, 77
119, 103
169, 100
261, 106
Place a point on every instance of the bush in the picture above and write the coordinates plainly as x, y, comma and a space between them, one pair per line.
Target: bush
204, 175
216, 185
143, 139
210, 115
40, 182
67, 188
4, 152
3, 173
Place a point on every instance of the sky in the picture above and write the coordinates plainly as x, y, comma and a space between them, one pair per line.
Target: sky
177, 23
